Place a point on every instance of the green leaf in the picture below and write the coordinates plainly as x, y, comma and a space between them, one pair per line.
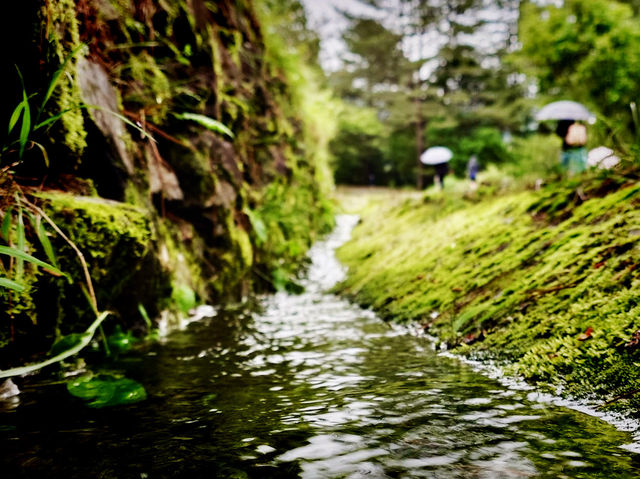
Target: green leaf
56, 117
45, 155
207, 122
279, 279
7, 283
259, 227
15, 116
21, 245
25, 130
54, 79
5, 229
75, 347
123, 118
65, 343
283, 282
145, 316
21, 255
106, 390
44, 241
184, 297
119, 341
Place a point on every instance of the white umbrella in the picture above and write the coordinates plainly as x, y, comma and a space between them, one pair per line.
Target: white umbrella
602, 157
436, 155
565, 110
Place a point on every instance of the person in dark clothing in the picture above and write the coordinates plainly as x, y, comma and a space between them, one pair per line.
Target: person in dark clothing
441, 170
472, 170
561, 130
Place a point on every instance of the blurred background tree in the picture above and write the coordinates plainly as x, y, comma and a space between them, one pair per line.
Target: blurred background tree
586, 51
431, 81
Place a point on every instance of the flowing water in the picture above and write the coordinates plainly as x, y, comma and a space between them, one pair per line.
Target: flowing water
305, 386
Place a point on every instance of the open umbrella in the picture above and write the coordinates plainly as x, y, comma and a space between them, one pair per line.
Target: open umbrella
565, 110
436, 155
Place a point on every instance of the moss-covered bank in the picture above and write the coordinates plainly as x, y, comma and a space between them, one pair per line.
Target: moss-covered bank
184, 164
547, 281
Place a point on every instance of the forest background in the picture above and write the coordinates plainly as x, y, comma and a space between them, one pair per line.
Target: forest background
469, 75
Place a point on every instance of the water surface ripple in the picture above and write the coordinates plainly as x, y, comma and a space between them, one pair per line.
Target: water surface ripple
306, 386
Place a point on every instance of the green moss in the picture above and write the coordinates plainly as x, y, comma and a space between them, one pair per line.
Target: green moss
65, 37
114, 239
557, 294
151, 88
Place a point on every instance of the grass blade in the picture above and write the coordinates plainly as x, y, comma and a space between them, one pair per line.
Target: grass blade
55, 118
44, 240
5, 229
145, 316
15, 116
85, 339
21, 255
21, 245
7, 283
45, 155
207, 122
56, 76
121, 117
25, 130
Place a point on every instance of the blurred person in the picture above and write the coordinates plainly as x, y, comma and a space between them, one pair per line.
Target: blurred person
574, 138
472, 171
441, 171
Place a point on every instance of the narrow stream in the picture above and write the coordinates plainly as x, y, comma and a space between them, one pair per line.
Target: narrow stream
305, 386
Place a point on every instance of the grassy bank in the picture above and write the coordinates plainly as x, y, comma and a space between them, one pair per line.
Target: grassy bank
545, 281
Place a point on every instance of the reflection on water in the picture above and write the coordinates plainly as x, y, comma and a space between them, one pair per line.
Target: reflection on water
308, 386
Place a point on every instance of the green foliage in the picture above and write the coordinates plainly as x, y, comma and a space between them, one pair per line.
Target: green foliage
585, 51
184, 297
9, 284
66, 347
105, 390
208, 123
484, 142
16, 253
120, 341
465, 95
358, 147
520, 277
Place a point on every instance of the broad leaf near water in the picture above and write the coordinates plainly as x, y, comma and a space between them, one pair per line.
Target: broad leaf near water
106, 390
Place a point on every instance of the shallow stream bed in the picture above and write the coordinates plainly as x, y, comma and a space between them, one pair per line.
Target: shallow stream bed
305, 386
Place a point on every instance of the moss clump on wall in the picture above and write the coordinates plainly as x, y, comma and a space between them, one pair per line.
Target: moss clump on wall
117, 242
64, 37
546, 281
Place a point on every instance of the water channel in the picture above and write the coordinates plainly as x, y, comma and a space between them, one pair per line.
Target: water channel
305, 386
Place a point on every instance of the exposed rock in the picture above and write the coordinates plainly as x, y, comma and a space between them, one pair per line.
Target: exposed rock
98, 91
225, 195
8, 389
162, 178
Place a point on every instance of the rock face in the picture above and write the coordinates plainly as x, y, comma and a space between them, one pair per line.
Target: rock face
219, 203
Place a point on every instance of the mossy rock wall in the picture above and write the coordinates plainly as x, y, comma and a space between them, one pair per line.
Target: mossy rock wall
201, 210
